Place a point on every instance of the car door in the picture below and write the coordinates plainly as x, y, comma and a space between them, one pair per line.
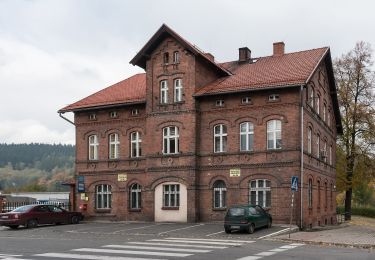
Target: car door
255, 217
57, 214
41, 214
263, 218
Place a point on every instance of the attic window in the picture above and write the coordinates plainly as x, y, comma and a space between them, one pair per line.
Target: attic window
113, 114
176, 57
246, 100
92, 116
135, 112
274, 97
166, 58
219, 103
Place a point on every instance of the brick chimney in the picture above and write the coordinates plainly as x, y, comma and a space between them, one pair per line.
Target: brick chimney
244, 54
278, 48
210, 56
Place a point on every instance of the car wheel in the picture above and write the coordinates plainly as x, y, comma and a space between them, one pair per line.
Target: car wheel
74, 220
250, 229
269, 225
13, 226
32, 223
227, 230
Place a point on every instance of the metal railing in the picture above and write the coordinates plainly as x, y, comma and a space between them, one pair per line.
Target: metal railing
11, 205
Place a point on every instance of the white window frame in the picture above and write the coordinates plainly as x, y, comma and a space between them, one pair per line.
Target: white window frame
324, 112
317, 109
93, 147
309, 140
135, 112
318, 146
266, 187
113, 114
171, 196
177, 90
168, 137
219, 193
221, 136
273, 97
273, 132
114, 146
164, 92
92, 116
219, 103
246, 100
325, 151
176, 57
135, 145
248, 135
312, 94
103, 196
135, 196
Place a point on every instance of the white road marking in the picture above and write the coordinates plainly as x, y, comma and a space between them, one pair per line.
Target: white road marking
214, 240
130, 252
143, 227
288, 247
267, 253
160, 248
92, 257
250, 258
178, 245
212, 234
180, 229
274, 233
271, 252
195, 242
278, 249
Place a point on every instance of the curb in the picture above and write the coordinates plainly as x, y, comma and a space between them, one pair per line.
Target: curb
280, 232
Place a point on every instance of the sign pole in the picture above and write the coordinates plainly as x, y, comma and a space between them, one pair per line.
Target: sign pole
291, 214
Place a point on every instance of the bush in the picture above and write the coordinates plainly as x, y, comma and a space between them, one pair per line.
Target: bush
360, 211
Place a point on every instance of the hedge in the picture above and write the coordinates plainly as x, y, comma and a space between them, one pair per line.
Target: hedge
360, 211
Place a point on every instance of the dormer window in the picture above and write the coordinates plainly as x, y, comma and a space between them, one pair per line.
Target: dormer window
219, 103
166, 58
135, 112
273, 97
246, 100
176, 57
113, 114
92, 116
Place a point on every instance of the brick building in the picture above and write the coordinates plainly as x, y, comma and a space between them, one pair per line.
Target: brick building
190, 136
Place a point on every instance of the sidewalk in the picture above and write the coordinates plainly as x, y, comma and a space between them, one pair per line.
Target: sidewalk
360, 233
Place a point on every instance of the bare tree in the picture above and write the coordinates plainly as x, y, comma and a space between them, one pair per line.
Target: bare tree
355, 82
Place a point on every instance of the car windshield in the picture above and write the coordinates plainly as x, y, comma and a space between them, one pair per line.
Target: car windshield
236, 212
23, 208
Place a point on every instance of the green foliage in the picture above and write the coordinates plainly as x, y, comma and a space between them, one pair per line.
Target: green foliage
359, 211
362, 194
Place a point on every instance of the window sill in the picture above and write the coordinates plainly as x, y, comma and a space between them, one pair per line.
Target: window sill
219, 209
102, 210
170, 208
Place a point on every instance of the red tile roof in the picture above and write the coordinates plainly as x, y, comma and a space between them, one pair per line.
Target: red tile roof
130, 90
286, 70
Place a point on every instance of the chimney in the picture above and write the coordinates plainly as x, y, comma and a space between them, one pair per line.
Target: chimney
278, 48
210, 56
244, 54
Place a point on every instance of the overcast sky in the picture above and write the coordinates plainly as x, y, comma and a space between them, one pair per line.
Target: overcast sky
53, 53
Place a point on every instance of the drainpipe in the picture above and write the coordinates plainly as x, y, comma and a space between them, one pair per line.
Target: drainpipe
66, 119
302, 155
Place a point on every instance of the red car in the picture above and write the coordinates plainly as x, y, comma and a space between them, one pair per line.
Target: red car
31, 216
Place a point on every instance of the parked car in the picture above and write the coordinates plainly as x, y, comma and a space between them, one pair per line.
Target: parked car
246, 218
31, 216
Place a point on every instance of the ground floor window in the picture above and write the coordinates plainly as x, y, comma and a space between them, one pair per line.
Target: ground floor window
220, 192
260, 193
171, 195
103, 196
135, 196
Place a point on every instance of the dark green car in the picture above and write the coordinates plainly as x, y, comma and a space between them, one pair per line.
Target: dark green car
247, 218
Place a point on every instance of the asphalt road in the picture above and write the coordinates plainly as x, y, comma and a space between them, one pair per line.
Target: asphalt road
122, 241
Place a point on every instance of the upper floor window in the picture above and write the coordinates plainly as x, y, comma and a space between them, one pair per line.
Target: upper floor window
260, 193
93, 147
317, 104
220, 138
170, 140
103, 196
219, 103
163, 92
329, 118
246, 100
166, 58
176, 57
310, 195
324, 155
274, 134
318, 146
114, 146
324, 112
330, 155
309, 140
135, 144
113, 114
92, 116
312, 95
220, 192
171, 195
273, 97
246, 136
177, 90
135, 196
135, 112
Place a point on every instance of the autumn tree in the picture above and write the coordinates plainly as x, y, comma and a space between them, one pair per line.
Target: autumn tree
355, 81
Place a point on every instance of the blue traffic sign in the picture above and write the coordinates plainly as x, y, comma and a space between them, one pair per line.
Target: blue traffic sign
294, 183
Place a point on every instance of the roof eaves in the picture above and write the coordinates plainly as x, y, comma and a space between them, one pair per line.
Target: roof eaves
94, 107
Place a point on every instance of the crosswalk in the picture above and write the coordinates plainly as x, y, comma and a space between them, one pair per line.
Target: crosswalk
152, 249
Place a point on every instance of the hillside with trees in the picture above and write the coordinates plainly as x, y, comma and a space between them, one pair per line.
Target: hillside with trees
35, 167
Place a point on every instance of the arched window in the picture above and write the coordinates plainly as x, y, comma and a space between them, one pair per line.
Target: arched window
135, 196
170, 140
246, 136
312, 94
220, 138
135, 144
324, 112
309, 140
177, 90
317, 104
163, 92
310, 194
220, 192
260, 193
318, 146
325, 151
93, 147
114, 146
274, 134
166, 58
103, 196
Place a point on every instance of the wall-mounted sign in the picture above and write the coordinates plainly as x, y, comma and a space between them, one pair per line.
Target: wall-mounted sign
122, 177
81, 184
235, 172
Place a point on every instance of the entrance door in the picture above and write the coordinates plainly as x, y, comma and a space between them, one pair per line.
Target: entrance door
170, 202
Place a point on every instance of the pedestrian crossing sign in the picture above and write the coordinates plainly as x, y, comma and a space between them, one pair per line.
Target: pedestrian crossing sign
294, 183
